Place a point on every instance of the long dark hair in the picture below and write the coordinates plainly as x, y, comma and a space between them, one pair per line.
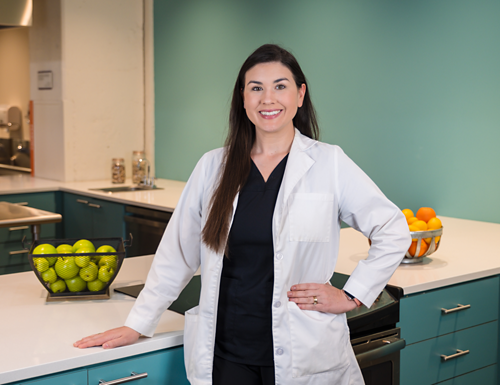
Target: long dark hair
240, 139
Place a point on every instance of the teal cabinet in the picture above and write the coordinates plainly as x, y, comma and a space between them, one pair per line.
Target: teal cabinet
86, 217
441, 323
76, 377
13, 256
485, 376
163, 367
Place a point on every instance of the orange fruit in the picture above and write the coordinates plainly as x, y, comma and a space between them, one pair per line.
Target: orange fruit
421, 225
408, 213
413, 228
411, 220
413, 248
425, 214
434, 223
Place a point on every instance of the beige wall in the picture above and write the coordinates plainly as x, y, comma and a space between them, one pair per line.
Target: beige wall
14, 72
95, 111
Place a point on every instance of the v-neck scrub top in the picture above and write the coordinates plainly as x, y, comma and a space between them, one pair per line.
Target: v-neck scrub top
244, 316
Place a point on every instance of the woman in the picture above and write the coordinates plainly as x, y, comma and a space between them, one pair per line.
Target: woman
262, 218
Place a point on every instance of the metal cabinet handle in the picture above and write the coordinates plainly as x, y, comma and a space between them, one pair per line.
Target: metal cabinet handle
82, 201
94, 205
459, 353
459, 308
133, 377
18, 228
19, 252
391, 346
21, 203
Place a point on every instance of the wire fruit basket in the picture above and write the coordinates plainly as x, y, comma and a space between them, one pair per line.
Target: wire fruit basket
77, 276
432, 239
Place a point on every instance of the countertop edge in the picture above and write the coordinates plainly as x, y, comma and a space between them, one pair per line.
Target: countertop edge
96, 356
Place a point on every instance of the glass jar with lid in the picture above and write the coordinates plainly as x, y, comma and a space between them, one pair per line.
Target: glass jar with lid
139, 166
117, 170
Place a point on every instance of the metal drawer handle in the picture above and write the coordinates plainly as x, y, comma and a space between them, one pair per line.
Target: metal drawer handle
19, 252
133, 377
459, 308
18, 228
21, 203
94, 205
459, 353
82, 201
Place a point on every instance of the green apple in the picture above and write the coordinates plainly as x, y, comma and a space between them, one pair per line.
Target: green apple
76, 284
41, 264
49, 276
110, 261
106, 273
46, 249
83, 260
83, 243
104, 249
66, 267
89, 273
64, 248
58, 286
95, 285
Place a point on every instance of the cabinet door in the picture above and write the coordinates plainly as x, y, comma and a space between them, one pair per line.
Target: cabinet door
13, 258
422, 363
484, 376
75, 377
422, 316
77, 217
107, 218
165, 367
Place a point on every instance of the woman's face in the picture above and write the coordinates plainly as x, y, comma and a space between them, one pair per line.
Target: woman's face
271, 97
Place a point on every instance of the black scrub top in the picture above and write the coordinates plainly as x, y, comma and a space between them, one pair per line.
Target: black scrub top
244, 317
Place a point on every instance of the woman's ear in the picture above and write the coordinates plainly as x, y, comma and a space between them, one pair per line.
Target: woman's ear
302, 94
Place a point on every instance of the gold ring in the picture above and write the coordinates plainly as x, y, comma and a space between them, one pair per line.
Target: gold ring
315, 300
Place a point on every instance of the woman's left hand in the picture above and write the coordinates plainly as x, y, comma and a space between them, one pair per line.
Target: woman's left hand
329, 299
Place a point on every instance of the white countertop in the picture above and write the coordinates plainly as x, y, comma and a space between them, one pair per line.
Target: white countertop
37, 337
469, 250
161, 199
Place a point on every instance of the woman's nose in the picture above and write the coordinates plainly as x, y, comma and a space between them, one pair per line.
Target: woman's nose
268, 96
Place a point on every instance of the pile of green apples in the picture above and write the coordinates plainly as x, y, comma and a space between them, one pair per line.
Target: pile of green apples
76, 272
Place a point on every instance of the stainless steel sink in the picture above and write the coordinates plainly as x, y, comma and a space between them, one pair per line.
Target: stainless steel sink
135, 188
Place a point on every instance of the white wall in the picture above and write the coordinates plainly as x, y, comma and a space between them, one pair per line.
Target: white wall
96, 110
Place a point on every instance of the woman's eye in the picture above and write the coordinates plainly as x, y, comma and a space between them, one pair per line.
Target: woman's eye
256, 88
280, 87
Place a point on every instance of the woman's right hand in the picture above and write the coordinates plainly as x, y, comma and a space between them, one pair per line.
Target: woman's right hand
121, 336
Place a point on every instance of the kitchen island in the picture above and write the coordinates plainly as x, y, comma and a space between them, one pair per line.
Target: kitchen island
38, 336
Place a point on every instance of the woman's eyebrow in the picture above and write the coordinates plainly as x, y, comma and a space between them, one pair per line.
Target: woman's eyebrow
276, 81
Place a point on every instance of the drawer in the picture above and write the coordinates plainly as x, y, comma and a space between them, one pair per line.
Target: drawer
74, 377
165, 367
485, 376
11, 261
15, 233
482, 296
421, 363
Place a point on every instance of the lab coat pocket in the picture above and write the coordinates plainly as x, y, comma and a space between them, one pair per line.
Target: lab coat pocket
190, 332
318, 341
311, 217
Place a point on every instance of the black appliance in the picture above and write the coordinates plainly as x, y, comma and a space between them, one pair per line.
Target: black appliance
147, 227
375, 339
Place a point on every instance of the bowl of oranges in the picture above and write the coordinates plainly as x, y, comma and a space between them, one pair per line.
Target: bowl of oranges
426, 231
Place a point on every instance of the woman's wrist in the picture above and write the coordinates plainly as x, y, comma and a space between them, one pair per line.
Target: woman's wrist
351, 298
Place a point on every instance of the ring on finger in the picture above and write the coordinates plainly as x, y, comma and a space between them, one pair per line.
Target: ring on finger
315, 300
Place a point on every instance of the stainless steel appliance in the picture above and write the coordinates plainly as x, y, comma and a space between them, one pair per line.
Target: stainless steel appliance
147, 227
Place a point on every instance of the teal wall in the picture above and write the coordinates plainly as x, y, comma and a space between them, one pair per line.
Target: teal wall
409, 89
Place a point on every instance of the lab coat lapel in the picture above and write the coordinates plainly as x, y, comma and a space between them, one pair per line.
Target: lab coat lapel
299, 162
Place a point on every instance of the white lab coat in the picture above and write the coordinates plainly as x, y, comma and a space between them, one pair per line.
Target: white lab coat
320, 187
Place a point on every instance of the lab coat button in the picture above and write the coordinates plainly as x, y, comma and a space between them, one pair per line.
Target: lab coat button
279, 351
277, 304
279, 256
